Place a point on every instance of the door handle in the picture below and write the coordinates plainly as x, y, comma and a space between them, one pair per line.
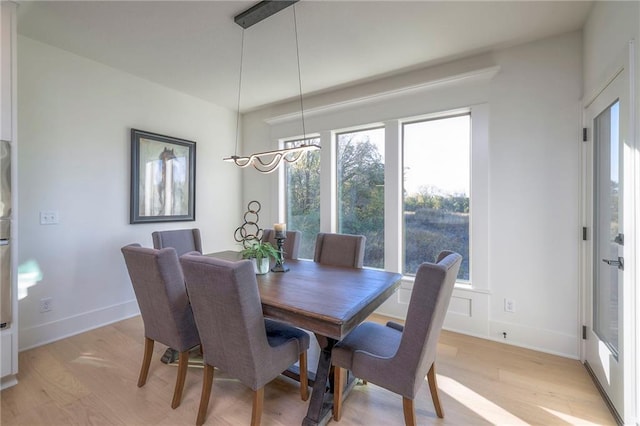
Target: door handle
619, 263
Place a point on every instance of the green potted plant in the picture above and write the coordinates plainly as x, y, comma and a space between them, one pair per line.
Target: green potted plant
260, 253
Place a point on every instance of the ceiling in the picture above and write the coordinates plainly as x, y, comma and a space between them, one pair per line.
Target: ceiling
194, 46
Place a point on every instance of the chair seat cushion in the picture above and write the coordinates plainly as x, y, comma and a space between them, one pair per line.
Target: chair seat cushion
278, 333
370, 337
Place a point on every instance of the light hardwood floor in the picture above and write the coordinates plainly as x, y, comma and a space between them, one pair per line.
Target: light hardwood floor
91, 379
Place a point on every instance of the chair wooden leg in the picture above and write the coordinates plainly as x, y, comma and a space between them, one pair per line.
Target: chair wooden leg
207, 381
409, 412
339, 376
304, 381
258, 402
146, 361
183, 365
433, 387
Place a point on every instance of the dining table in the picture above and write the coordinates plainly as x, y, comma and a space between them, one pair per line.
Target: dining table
329, 301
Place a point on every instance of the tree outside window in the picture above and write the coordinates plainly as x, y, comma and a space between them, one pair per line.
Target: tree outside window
303, 197
436, 157
360, 181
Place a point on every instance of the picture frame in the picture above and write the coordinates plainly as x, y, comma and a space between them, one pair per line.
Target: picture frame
163, 178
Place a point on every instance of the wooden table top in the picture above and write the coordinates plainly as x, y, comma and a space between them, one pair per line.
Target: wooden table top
328, 300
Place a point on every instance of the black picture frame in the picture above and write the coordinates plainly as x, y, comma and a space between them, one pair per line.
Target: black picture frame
163, 178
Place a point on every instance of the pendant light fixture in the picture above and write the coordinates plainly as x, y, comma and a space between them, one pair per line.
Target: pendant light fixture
268, 161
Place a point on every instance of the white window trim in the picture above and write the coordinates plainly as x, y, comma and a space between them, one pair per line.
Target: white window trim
479, 221
478, 227
469, 92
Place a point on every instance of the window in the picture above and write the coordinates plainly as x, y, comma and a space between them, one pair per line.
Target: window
436, 161
412, 186
360, 189
303, 197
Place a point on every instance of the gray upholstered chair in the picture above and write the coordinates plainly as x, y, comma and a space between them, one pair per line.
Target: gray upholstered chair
183, 240
291, 244
340, 249
396, 357
159, 286
235, 336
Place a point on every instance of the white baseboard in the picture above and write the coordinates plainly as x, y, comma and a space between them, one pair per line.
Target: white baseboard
8, 381
469, 314
31, 337
541, 340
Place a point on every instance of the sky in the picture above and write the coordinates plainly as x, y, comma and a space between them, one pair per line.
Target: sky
436, 154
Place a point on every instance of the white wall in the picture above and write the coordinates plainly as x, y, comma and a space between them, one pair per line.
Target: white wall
75, 116
533, 183
610, 25
535, 193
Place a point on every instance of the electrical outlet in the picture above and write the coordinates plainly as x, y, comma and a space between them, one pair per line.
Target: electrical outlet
509, 305
49, 217
45, 304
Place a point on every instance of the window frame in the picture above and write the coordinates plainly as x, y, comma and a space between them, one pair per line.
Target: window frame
394, 223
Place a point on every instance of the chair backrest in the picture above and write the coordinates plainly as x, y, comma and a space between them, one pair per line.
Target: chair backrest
340, 249
291, 244
228, 313
159, 286
183, 240
428, 306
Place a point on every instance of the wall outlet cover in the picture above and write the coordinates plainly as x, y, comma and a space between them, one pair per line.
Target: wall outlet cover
49, 217
509, 305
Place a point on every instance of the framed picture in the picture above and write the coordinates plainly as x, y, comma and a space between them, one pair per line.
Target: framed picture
163, 178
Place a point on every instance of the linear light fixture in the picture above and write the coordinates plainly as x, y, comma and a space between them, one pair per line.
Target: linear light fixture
261, 11
268, 161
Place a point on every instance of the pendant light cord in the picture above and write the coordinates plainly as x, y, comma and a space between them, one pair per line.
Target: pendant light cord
239, 91
268, 161
295, 26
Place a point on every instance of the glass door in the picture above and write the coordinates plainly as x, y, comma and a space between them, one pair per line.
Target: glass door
604, 351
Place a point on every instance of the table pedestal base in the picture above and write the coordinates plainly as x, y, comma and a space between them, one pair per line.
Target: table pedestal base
320, 408
321, 403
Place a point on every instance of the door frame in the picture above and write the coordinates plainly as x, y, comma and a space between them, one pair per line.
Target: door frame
631, 174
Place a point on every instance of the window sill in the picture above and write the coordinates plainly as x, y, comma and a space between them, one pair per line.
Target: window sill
407, 283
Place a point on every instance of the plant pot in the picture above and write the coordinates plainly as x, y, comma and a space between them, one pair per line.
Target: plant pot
260, 267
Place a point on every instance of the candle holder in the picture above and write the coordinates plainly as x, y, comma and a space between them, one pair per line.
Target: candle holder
279, 266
